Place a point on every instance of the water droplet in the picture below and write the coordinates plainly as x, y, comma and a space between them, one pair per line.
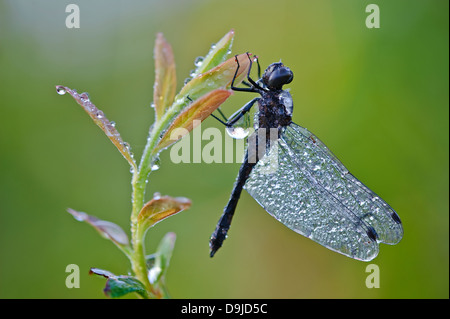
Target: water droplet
180, 101
113, 124
61, 90
199, 61
237, 132
285, 98
192, 73
153, 274
152, 105
126, 147
99, 114
155, 165
240, 129
186, 80
157, 195
84, 97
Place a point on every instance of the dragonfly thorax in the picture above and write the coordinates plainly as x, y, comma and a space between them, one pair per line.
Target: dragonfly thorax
275, 109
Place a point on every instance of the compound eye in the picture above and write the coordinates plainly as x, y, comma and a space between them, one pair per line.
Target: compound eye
280, 77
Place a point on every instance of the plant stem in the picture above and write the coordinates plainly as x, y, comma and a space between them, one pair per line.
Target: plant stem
139, 183
138, 255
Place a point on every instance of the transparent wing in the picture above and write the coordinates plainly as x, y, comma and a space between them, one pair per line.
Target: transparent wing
337, 180
304, 186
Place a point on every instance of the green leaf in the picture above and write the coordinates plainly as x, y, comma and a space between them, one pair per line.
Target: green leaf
100, 119
121, 285
216, 55
198, 110
159, 208
220, 77
159, 261
165, 76
118, 286
106, 229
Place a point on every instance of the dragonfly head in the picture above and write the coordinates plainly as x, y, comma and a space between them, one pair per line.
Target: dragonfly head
277, 75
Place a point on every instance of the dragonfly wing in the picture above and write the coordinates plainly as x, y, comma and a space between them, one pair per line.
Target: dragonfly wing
337, 180
304, 186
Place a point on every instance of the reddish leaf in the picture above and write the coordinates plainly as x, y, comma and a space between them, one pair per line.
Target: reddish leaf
160, 208
219, 77
165, 76
107, 229
100, 119
198, 110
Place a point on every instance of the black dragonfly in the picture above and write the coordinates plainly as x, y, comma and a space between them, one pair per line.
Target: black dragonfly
299, 181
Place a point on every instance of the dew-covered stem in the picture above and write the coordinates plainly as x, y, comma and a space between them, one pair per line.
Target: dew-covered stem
139, 183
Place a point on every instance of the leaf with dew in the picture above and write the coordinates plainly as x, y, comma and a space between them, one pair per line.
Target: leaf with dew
191, 116
216, 55
107, 229
218, 77
165, 76
118, 286
159, 208
100, 119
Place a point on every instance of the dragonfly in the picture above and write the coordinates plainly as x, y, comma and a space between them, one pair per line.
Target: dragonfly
307, 189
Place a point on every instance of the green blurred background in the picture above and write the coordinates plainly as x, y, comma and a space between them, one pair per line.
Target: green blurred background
377, 97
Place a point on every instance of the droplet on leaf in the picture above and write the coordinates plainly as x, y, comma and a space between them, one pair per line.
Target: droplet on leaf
199, 61
60, 90
84, 97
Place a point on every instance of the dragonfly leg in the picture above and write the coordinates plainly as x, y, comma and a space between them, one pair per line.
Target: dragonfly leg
237, 115
259, 67
224, 123
254, 84
234, 88
221, 113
